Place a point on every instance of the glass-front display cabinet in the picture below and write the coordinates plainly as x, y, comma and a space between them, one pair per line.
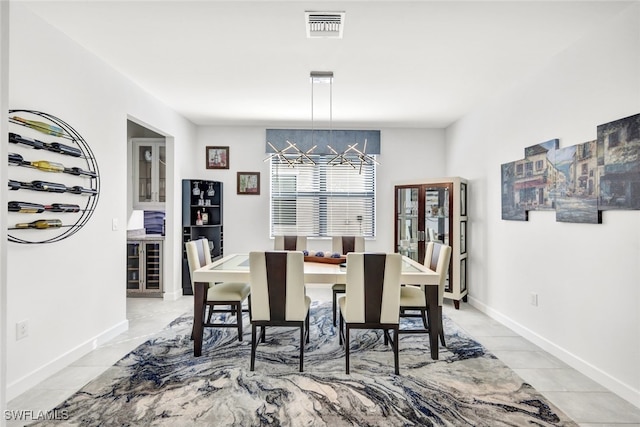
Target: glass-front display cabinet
149, 173
435, 210
144, 268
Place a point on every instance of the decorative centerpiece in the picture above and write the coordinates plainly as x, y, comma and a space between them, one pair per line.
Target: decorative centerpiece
325, 257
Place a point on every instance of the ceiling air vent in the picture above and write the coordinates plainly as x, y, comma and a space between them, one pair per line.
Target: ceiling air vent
324, 24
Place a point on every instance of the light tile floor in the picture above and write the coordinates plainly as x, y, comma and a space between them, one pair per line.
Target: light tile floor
585, 401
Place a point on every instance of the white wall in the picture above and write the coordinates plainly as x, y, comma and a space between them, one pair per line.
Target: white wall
406, 154
73, 292
4, 87
587, 276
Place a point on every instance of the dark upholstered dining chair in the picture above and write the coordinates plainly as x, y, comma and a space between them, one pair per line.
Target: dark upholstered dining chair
230, 294
344, 245
290, 243
372, 298
279, 298
413, 298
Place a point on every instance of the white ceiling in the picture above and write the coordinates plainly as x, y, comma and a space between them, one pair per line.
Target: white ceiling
399, 64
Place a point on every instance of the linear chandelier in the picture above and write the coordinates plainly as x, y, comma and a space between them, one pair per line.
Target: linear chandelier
291, 155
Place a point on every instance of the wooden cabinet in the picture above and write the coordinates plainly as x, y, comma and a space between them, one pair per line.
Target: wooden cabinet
149, 173
144, 268
201, 218
435, 210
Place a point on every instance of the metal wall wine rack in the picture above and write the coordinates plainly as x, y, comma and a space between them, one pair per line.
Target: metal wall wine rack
55, 180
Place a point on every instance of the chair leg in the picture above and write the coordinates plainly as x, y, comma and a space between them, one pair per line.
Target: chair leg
396, 359
254, 344
306, 326
263, 334
346, 347
385, 332
423, 314
239, 319
340, 331
334, 308
441, 328
210, 315
301, 346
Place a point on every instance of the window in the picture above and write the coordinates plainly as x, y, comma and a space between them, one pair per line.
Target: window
529, 168
322, 199
614, 139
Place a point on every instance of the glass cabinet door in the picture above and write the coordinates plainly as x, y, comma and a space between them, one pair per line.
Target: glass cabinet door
437, 205
408, 227
162, 173
145, 171
438, 212
133, 266
152, 272
149, 173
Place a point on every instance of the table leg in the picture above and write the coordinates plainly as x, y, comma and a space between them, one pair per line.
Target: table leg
199, 295
434, 320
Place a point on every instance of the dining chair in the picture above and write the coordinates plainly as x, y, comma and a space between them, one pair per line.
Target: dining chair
372, 299
279, 298
344, 245
290, 243
413, 298
231, 294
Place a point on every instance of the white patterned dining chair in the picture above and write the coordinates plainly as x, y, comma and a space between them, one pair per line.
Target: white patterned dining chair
279, 298
372, 299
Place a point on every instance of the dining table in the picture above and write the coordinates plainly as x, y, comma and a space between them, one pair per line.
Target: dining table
235, 268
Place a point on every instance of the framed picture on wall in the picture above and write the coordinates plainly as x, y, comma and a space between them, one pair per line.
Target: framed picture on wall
249, 183
463, 199
217, 157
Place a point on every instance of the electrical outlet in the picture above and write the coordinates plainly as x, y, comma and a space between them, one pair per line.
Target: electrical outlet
114, 224
22, 329
533, 298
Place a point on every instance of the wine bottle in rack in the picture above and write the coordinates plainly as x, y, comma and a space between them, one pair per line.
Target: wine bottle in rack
15, 159
62, 207
47, 166
41, 224
25, 207
52, 187
80, 171
15, 185
77, 189
45, 128
63, 149
18, 139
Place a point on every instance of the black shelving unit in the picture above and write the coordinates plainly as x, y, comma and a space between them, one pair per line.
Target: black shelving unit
206, 201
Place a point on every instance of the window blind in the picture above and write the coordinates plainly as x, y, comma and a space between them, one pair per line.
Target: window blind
322, 200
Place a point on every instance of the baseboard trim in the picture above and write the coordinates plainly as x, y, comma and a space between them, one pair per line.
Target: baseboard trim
172, 296
613, 384
30, 380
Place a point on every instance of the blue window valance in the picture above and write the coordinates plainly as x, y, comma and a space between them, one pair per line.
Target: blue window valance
339, 140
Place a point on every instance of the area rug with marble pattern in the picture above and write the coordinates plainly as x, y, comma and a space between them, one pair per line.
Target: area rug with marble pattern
160, 383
